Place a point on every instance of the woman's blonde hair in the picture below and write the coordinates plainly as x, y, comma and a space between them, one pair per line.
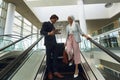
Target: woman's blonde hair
72, 17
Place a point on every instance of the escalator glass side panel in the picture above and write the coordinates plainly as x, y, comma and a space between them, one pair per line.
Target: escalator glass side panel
8, 39
99, 60
110, 39
21, 45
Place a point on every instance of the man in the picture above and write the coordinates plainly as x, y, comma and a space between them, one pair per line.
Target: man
49, 31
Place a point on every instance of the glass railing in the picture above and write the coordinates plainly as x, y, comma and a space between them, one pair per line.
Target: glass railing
4, 42
110, 39
8, 39
23, 44
16, 48
100, 61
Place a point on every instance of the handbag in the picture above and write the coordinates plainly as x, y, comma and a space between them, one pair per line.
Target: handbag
65, 57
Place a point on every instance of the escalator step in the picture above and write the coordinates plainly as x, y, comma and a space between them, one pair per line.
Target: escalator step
9, 59
2, 65
69, 77
68, 72
5, 62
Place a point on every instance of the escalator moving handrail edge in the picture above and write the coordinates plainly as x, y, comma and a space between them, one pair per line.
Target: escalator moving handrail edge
40, 67
10, 35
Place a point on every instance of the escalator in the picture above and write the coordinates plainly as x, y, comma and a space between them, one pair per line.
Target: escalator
30, 65
92, 66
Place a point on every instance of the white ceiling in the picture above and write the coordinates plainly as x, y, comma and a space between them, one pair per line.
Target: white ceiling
38, 3
63, 8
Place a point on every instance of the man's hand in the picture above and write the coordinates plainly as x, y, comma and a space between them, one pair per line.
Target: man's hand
51, 33
57, 31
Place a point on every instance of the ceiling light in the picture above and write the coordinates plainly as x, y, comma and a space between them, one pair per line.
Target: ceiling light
108, 5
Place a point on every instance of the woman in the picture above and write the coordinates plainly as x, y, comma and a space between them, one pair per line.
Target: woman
72, 42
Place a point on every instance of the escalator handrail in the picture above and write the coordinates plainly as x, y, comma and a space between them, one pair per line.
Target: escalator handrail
117, 58
10, 35
40, 68
11, 67
16, 42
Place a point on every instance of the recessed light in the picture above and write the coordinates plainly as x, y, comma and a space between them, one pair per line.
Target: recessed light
108, 5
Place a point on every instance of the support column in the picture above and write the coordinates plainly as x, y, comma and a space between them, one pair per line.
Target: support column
9, 19
81, 16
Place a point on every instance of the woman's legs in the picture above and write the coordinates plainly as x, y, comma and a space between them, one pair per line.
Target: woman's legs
76, 69
69, 48
76, 52
73, 45
77, 58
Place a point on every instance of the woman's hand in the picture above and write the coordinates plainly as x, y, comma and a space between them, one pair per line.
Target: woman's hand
86, 36
65, 44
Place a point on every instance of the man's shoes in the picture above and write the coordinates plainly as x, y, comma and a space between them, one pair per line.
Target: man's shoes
50, 76
58, 75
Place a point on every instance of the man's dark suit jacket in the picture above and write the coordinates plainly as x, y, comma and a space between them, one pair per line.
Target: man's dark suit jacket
48, 27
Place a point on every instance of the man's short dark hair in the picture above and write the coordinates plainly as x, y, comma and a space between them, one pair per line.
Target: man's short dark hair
54, 17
